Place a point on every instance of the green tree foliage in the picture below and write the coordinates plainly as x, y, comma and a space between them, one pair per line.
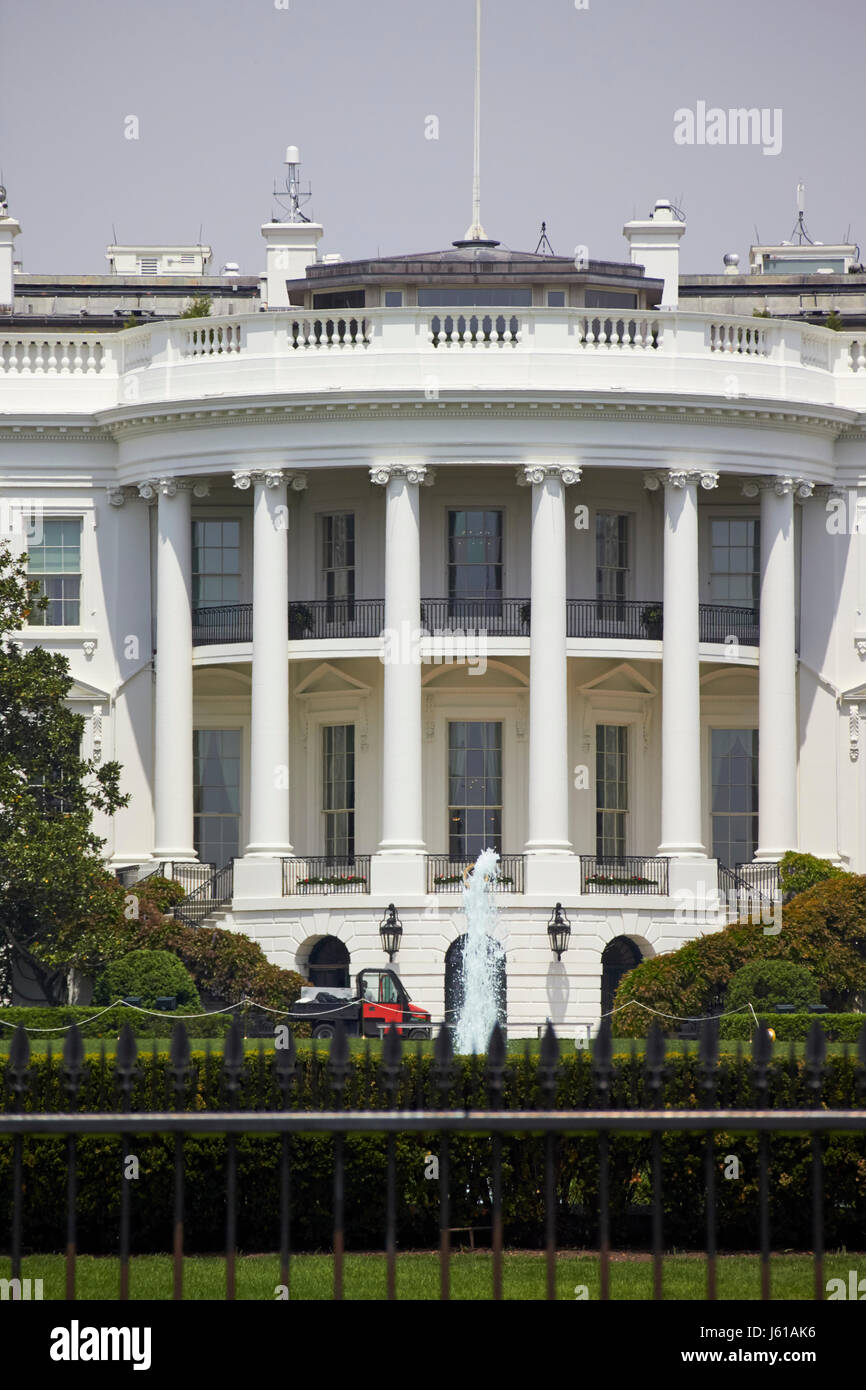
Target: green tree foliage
199, 307
797, 872
766, 983
823, 928
58, 909
147, 975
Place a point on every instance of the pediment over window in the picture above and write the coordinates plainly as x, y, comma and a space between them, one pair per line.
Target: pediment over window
88, 694
326, 679
623, 679
729, 682
499, 675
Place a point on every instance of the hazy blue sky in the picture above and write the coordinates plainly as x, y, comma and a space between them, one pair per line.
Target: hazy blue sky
577, 127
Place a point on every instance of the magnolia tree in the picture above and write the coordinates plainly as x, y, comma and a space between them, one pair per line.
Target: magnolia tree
58, 909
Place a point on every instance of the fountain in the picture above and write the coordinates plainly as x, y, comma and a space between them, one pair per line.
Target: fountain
479, 1008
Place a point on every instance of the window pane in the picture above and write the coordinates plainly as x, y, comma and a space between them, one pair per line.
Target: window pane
217, 794
734, 797
474, 788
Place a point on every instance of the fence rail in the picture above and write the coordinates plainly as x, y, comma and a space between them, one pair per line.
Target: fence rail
322, 873
447, 875
209, 895
552, 1123
629, 874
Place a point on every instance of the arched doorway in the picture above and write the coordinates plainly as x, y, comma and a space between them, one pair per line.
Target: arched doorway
329, 964
619, 957
454, 978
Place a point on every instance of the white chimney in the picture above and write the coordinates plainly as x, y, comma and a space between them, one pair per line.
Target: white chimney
291, 248
9, 230
655, 244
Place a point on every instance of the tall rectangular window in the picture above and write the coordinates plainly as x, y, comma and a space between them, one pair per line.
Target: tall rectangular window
338, 789
735, 560
474, 788
217, 794
56, 562
216, 562
338, 565
611, 790
611, 561
474, 558
734, 779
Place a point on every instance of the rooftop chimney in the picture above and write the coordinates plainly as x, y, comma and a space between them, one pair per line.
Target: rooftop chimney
655, 244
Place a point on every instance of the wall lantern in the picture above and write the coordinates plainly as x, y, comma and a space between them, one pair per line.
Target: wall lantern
559, 931
391, 932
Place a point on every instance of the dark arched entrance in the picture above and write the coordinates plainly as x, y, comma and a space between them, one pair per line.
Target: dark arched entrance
329, 964
619, 957
454, 978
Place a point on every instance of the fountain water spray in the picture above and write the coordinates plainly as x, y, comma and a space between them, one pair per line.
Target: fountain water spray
479, 1009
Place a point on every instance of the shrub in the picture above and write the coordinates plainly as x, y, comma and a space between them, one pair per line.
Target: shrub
163, 893
824, 928
147, 974
771, 982
797, 872
793, 1027
54, 1019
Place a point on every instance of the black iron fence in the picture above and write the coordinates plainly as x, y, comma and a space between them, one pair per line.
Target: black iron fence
629, 874
494, 617
446, 874
308, 619
722, 622
598, 1121
322, 873
209, 894
626, 619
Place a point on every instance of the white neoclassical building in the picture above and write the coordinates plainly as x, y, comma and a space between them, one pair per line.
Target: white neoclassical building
386, 562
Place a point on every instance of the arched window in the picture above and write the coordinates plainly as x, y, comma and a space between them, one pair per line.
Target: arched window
329, 964
619, 957
454, 979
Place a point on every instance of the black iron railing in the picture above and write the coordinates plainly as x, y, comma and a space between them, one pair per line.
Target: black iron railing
629, 874
322, 873
308, 619
626, 619
446, 874
556, 1125
495, 617
207, 897
722, 622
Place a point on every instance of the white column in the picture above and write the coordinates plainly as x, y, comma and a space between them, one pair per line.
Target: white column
402, 818
777, 698
549, 779
681, 691
269, 713
173, 763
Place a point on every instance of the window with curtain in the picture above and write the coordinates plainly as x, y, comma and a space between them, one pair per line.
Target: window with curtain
474, 788
55, 561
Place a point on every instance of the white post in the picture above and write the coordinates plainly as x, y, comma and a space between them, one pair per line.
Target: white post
269, 712
549, 779
173, 761
402, 819
681, 690
777, 670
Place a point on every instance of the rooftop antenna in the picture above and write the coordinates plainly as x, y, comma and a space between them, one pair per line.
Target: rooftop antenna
799, 231
476, 235
293, 192
544, 247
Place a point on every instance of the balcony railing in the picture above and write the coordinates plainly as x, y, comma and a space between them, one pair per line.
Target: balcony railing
336, 619
322, 873
495, 617
446, 874
308, 619
629, 874
721, 622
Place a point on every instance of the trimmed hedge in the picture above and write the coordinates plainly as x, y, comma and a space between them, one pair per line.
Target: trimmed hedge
99, 1160
794, 1027
150, 975
109, 1024
765, 983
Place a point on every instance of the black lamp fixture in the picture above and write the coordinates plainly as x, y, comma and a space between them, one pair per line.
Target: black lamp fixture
391, 932
559, 931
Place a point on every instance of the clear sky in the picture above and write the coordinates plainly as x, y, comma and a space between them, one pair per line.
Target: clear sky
578, 121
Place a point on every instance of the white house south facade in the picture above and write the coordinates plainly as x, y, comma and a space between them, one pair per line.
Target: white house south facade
387, 562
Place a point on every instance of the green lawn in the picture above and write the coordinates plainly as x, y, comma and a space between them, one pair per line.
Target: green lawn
418, 1276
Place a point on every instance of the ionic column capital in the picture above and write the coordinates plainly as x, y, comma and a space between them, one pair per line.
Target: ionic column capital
164, 487
531, 473
781, 484
707, 478
244, 478
418, 473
